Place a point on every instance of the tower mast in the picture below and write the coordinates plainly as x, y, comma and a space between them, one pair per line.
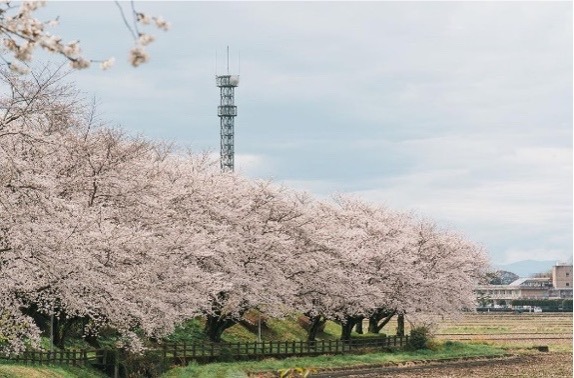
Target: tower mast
227, 111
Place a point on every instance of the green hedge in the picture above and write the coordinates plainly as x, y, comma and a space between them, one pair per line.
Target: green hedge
545, 304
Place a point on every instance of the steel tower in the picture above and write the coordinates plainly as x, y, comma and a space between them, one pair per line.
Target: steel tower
227, 112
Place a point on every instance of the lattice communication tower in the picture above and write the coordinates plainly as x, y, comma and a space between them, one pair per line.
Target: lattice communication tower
227, 111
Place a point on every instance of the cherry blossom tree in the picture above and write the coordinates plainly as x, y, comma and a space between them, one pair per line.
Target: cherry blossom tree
82, 218
374, 241
249, 234
23, 33
447, 263
387, 263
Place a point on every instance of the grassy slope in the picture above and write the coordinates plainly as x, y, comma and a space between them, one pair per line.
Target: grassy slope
240, 369
274, 330
289, 330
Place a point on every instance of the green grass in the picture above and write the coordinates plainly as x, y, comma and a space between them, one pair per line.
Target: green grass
240, 369
10, 370
286, 329
478, 329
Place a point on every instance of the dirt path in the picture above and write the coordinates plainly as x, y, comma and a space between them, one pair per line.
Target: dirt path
539, 365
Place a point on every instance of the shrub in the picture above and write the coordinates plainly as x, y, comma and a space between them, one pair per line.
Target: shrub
419, 339
434, 345
225, 355
149, 364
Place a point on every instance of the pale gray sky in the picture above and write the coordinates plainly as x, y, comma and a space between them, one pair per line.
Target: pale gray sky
461, 111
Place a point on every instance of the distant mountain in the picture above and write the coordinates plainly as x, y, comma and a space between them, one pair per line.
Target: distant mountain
527, 268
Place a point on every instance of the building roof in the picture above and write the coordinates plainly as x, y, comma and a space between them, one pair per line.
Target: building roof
528, 281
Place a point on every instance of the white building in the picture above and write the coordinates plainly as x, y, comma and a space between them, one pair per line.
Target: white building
559, 286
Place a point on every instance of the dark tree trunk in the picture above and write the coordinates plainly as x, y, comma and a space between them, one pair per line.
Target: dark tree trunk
215, 325
92, 340
401, 325
316, 324
347, 327
385, 316
217, 322
374, 323
359, 326
65, 327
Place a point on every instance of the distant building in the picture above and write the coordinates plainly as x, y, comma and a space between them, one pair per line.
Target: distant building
562, 276
559, 286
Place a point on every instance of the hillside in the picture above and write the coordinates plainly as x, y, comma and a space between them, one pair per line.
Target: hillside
527, 268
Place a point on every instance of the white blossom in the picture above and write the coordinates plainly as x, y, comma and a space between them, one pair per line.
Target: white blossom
138, 56
24, 52
143, 18
80, 63
107, 63
71, 49
51, 42
10, 44
14, 67
161, 23
145, 39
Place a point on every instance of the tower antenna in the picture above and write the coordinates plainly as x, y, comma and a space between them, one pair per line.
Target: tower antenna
228, 60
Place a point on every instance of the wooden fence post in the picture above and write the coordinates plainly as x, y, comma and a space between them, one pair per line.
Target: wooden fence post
116, 363
164, 354
184, 353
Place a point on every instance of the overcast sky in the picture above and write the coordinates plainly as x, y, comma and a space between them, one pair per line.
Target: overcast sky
460, 111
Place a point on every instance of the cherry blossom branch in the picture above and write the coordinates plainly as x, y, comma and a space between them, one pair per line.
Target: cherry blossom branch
23, 33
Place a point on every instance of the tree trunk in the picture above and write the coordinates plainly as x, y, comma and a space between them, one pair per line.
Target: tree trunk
401, 325
347, 327
359, 326
386, 316
373, 323
64, 327
316, 323
214, 327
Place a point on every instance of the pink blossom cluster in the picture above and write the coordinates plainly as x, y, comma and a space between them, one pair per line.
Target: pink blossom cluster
21, 33
135, 236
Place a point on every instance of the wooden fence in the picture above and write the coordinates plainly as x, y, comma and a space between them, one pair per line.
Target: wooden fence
114, 362
62, 357
181, 353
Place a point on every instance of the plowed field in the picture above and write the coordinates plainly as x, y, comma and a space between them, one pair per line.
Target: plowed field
538, 365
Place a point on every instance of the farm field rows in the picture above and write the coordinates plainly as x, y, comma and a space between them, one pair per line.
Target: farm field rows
532, 328
548, 365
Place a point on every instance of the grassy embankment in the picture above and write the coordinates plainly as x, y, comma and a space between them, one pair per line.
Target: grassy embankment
447, 350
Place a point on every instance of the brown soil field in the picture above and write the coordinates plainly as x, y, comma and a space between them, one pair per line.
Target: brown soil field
536, 365
520, 334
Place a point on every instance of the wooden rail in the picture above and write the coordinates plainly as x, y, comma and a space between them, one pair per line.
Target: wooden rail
182, 353
62, 357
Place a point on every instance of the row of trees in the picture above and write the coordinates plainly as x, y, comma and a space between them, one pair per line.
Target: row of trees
104, 231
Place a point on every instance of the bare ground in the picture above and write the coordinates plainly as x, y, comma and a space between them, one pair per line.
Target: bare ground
538, 365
